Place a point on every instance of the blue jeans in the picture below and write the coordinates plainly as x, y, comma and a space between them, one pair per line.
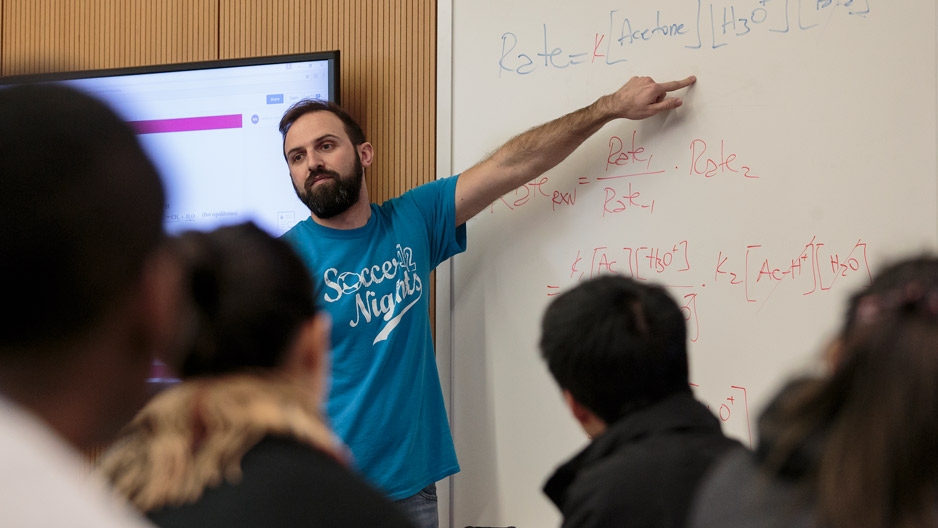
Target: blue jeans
422, 508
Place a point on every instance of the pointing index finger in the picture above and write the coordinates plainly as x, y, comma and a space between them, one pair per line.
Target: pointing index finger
677, 85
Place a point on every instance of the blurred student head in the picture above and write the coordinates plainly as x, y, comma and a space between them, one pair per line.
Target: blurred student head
89, 292
253, 308
868, 432
915, 272
254, 367
614, 345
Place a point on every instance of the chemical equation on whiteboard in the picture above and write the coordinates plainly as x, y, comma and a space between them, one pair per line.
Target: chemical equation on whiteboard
815, 269
627, 160
731, 407
752, 271
708, 25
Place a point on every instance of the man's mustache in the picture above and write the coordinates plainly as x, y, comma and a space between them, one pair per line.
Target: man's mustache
314, 176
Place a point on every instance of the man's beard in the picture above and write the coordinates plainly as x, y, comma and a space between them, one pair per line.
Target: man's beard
326, 201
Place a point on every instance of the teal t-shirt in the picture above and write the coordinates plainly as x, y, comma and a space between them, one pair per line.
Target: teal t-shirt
385, 399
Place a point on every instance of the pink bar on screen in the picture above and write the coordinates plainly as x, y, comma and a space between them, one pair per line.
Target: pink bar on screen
186, 124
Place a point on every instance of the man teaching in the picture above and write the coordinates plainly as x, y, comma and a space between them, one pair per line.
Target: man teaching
372, 266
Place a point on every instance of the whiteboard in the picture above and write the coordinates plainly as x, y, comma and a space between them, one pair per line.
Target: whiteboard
802, 160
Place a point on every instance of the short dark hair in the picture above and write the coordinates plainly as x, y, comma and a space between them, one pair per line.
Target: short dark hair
81, 209
616, 344
251, 294
309, 106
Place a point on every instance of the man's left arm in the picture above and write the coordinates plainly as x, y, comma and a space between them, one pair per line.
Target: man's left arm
532, 153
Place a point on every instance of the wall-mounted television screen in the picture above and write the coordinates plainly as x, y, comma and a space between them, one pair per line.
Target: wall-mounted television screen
211, 129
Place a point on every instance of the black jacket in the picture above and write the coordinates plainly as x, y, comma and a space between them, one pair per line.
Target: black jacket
643, 470
287, 484
739, 492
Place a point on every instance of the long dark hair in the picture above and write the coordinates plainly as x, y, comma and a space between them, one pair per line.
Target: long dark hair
873, 423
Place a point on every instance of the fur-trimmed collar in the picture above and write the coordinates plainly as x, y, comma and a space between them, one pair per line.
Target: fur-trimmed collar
193, 435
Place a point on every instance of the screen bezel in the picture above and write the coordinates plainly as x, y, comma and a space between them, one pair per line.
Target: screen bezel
331, 56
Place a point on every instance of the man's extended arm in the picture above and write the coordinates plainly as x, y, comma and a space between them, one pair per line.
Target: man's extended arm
536, 151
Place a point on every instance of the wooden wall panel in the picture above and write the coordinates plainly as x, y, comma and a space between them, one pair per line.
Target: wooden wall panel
64, 35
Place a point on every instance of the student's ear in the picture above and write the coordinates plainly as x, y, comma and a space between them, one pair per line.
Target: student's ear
592, 424
315, 343
833, 354
161, 300
367, 153
580, 412
309, 359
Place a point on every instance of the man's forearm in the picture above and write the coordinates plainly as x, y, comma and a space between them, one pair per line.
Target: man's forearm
535, 151
531, 153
